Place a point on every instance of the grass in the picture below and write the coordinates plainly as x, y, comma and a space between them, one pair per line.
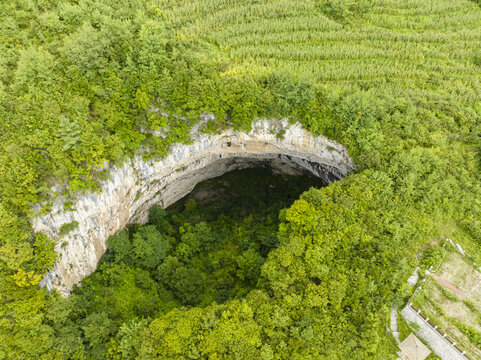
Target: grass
433, 356
402, 326
68, 227
458, 271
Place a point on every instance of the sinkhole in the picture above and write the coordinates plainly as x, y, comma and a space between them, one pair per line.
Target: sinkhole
131, 190
207, 247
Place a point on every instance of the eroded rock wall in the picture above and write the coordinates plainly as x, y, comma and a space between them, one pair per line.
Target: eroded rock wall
139, 184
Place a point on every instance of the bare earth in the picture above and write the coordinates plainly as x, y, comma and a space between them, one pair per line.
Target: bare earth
449, 286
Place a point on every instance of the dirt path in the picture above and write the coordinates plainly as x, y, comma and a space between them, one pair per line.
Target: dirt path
449, 286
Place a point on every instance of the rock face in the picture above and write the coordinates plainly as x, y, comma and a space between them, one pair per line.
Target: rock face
139, 184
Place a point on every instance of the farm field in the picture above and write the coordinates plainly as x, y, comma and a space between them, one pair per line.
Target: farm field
410, 45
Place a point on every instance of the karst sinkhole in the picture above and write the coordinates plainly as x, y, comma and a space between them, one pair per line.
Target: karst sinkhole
207, 247
139, 184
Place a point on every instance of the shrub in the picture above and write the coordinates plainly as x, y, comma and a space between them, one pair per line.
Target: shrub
67, 227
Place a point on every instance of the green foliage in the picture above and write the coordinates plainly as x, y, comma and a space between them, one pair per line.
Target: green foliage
69, 133
344, 11
477, 59
87, 50
224, 262
97, 328
432, 256
473, 334
415, 326
188, 285
127, 334
120, 246
44, 256
194, 239
34, 69
403, 327
156, 215
289, 95
77, 79
67, 227
448, 294
166, 270
249, 265
149, 247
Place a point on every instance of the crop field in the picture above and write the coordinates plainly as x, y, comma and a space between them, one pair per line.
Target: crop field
408, 44
451, 298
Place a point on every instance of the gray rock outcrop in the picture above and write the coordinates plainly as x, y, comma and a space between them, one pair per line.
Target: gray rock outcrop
139, 184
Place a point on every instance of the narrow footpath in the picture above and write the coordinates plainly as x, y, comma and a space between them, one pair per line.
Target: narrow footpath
393, 324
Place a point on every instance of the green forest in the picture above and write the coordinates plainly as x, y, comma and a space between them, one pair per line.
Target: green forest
198, 253
301, 272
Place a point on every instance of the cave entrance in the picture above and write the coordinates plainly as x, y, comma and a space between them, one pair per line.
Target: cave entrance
238, 214
258, 186
188, 176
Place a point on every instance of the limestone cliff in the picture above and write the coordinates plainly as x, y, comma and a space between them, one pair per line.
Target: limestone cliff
139, 184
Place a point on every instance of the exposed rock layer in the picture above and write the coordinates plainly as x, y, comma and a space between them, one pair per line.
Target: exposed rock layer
139, 184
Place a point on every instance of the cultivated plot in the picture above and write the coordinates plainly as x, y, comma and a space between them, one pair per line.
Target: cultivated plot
451, 299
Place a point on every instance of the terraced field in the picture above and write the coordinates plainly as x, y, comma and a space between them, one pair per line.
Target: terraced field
412, 44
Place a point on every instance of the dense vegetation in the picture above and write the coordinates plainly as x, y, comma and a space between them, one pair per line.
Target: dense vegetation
397, 82
196, 253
